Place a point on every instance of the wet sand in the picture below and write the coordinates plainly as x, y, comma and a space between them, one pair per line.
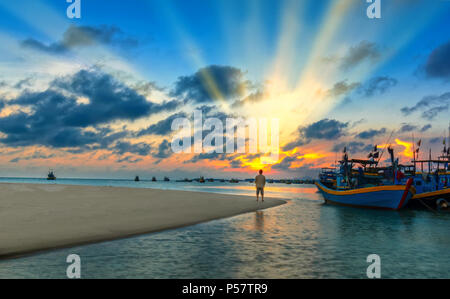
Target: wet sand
36, 217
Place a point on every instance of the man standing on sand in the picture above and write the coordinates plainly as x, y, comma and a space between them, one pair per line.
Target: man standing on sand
260, 182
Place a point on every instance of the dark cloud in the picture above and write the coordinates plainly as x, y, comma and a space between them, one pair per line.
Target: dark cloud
141, 149
162, 127
438, 63
211, 83
407, 128
250, 99
57, 119
54, 48
378, 85
286, 163
371, 133
426, 128
23, 82
342, 88
209, 156
83, 36
164, 150
353, 147
430, 105
34, 156
364, 51
324, 129
129, 159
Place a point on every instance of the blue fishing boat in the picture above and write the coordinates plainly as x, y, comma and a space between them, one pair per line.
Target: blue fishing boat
390, 197
368, 186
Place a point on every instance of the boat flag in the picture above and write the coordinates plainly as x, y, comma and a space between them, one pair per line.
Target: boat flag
376, 155
419, 143
370, 156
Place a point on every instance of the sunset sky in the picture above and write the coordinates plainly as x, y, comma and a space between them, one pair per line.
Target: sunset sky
95, 97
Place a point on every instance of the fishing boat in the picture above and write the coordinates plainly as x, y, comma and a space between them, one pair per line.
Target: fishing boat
166, 179
51, 175
153, 179
136, 179
367, 187
433, 187
201, 180
391, 197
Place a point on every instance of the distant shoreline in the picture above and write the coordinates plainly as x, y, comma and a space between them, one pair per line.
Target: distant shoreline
38, 217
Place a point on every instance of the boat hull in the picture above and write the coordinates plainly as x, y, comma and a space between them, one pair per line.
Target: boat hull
393, 197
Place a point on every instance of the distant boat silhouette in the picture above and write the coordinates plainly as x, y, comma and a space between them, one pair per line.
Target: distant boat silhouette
234, 181
153, 179
166, 179
136, 179
201, 180
51, 176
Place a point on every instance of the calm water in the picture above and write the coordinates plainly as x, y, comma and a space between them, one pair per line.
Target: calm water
302, 239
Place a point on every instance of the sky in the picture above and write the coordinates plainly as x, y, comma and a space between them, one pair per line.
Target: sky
95, 97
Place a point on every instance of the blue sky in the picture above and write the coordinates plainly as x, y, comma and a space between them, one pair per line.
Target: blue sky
307, 62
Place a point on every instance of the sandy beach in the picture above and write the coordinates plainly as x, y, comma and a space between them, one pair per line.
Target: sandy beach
36, 217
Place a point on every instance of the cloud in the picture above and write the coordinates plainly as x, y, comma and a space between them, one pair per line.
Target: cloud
21, 83
211, 83
164, 150
407, 128
129, 159
327, 129
324, 129
209, 156
286, 163
430, 105
83, 36
54, 48
425, 128
162, 127
378, 85
35, 155
250, 99
141, 149
438, 63
56, 118
353, 147
364, 51
369, 134
342, 88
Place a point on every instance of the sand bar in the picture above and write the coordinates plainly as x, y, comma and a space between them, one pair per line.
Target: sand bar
36, 217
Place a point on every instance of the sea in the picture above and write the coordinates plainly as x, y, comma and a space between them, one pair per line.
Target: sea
304, 238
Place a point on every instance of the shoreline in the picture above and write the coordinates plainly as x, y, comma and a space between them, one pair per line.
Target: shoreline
41, 217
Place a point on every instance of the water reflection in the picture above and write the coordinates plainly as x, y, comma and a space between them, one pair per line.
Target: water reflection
302, 239
259, 220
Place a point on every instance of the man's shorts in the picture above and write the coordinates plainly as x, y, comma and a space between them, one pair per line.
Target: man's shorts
260, 189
